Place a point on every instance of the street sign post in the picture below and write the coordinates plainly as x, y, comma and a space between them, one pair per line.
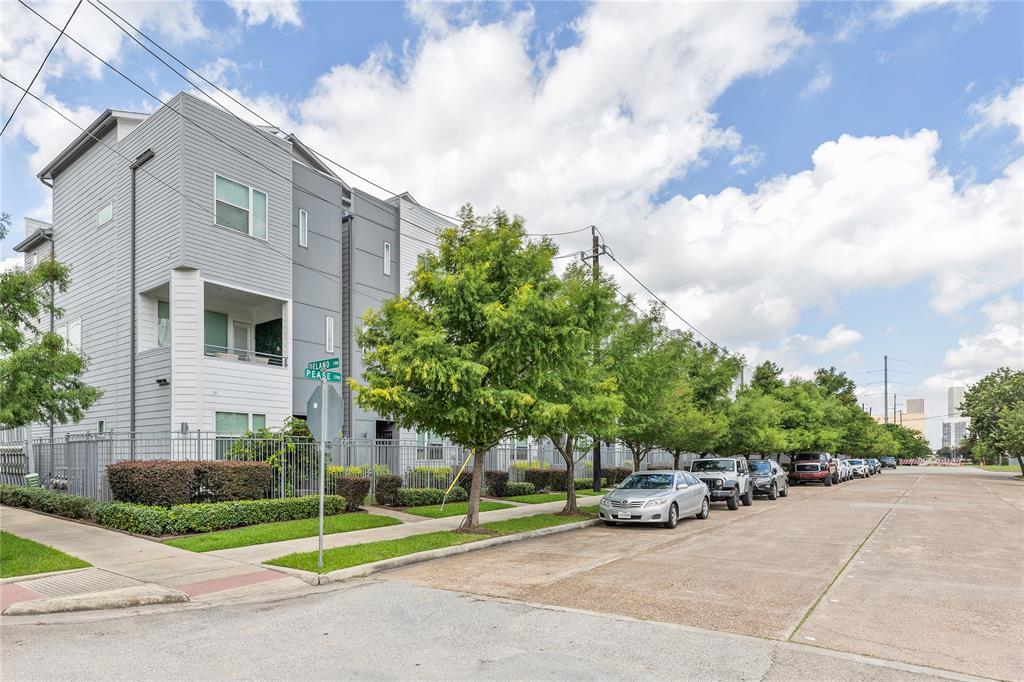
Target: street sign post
323, 432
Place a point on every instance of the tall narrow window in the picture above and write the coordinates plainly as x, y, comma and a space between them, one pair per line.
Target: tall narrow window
163, 324
101, 426
242, 208
303, 228
105, 215
329, 334
259, 421
215, 332
75, 335
387, 258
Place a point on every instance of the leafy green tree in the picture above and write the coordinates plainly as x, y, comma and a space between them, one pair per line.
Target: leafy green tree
767, 378
480, 339
646, 371
5, 225
836, 384
995, 406
40, 375
945, 452
911, 443
582, 399
810, 421
755, 421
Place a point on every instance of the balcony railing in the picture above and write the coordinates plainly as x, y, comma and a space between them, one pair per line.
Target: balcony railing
245, 355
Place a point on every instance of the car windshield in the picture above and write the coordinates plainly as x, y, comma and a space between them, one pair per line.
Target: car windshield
760, 467
647, 482
713, 465
888, 459
856, 462
811, 457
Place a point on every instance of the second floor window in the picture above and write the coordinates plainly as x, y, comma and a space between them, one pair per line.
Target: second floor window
241, 208
71, 332
329, 334
163, 324
105, 215
387, 258
303, 228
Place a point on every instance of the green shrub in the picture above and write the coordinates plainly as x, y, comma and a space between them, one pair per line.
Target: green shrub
439, 471
363, 471
495, 482
615, 475
540, 478
40, 499
387, 490
167, 482
514, 488
587, 483
206, 517
353, 488
418, 497
134, 518
533, 464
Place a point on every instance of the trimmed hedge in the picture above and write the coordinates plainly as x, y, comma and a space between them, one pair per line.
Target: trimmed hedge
167, 482
183, 518
40, 499
615, 475
514, 488
540, 478
495, 482
205, 517
387, 490
353, 488
419, 497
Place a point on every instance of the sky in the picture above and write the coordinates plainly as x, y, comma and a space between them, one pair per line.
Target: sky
816, 184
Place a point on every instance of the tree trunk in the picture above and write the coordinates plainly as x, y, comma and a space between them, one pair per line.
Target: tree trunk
675, 459
471, 524
1020, 461
570, 486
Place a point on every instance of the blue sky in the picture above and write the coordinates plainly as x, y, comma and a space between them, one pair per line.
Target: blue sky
677, 125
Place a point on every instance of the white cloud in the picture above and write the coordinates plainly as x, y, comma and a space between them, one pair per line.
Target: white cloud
747, 158
1000, 343
888, 14
1003, 109
838, 337
256, 12
10, 263
821, 82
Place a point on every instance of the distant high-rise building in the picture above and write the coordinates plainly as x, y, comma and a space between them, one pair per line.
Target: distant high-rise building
947, 434
955, 396
954, 432
914, 417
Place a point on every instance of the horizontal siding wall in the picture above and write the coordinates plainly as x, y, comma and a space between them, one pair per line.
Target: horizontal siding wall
419, 228
99, 256
222, 254
232, 386
153, 401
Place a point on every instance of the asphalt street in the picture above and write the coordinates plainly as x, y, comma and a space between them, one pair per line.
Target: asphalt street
910, 575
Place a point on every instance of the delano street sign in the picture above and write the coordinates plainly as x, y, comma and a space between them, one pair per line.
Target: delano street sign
329, 363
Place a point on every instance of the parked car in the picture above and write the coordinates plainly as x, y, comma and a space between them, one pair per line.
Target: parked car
876, 466
656, 497
768, 478
888, 462
861, 468
845, 473
727, 479
816, 467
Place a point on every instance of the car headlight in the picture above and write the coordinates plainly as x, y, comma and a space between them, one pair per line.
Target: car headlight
605, 502
656, 501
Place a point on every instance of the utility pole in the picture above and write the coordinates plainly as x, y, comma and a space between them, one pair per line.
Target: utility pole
893, 408
595, 269
885, 400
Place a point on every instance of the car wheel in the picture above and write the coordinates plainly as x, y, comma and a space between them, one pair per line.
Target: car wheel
673, 516
609, 523
835, 478
748, 497
828, 481
784, 492
773, 492
733, 502
705, 509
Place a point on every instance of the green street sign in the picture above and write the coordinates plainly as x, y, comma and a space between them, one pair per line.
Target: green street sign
329, 363
318, 374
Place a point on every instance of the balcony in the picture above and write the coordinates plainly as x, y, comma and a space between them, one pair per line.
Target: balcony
240, 326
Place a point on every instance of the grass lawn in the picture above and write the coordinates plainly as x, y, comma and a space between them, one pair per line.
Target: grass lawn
19, 556
540, 498
282, 530
1001, 467
434, 511
354, 555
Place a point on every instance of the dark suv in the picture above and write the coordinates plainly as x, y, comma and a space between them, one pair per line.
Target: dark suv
816, 467
888, 462
768, 478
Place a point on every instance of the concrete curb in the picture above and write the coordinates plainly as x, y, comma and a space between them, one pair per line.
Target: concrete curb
35, 576
364, 570
126, 597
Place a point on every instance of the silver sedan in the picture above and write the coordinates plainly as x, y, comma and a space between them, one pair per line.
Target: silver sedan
656, 497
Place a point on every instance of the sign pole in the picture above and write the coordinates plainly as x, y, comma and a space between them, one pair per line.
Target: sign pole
323, 456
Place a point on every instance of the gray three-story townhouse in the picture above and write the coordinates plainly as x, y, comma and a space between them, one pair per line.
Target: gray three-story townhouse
210, 261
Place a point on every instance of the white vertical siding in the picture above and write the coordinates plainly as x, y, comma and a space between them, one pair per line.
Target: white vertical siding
186, 347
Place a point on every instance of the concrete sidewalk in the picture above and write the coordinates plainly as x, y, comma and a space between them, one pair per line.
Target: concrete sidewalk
257, 554
131, 571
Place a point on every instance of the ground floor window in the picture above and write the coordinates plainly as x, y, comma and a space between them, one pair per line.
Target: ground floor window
239, 422
429, 446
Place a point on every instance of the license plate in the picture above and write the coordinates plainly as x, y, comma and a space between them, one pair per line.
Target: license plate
625, 515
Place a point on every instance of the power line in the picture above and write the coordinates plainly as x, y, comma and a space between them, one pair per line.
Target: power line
40, 69
259, 116
667, 306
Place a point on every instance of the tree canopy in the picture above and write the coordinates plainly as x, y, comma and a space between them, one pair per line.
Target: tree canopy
995, 406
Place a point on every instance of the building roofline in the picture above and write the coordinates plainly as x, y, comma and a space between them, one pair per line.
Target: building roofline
37, 237
86, 139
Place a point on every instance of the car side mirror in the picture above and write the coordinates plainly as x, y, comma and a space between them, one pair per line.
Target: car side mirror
680, 486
